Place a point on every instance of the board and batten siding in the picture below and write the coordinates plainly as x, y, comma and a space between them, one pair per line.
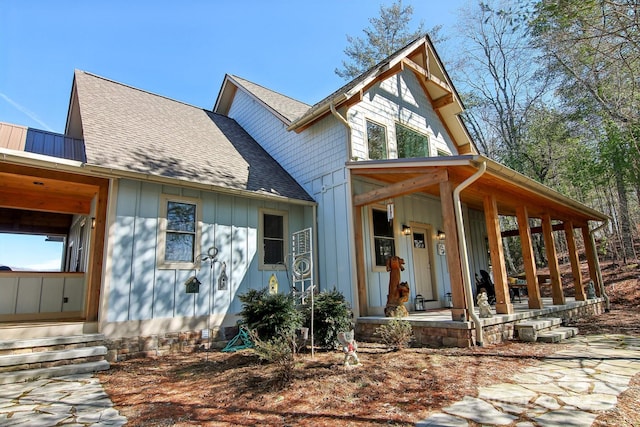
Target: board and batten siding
139, 290
399, 99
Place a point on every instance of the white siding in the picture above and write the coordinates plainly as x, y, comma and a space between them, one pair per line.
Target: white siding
399, 99
141, 291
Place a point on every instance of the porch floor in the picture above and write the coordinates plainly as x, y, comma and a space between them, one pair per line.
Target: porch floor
435, 327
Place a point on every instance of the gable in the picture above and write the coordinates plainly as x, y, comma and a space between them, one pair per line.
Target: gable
127, 129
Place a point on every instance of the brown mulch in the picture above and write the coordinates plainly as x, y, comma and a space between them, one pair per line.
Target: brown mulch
388, 388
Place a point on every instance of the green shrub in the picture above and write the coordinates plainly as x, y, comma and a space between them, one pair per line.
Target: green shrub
397, 334
332, 314
270, 315
278, 350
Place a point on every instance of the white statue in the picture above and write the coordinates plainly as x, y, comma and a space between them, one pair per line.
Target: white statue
349, 346
483, 305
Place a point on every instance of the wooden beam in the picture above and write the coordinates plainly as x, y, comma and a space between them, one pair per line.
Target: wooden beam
575, 261
459, 310
430, 78
496, 251
592, 259
534, 230
401, 188
552, 257
46, 203
443, 101
363, 302
533, 290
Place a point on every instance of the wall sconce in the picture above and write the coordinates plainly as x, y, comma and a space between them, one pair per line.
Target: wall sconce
406, 230
418, 302
440, 235
93, 222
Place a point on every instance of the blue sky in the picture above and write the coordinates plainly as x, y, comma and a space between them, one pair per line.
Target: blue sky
179, 49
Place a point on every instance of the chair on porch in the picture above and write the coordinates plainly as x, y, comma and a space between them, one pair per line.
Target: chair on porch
484, 282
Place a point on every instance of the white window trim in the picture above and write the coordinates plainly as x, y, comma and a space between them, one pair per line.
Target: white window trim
285, 237
162, 230
372, 243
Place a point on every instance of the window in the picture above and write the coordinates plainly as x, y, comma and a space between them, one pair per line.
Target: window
442, 153
383, 239
273, 232
377, 140
179, 233
411, 143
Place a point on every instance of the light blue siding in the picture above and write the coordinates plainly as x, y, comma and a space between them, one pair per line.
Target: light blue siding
141, 291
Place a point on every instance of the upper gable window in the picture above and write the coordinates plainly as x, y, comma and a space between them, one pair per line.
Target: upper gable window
179, 237
377, 141
411, 143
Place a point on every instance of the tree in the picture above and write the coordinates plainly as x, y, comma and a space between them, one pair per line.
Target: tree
388, 33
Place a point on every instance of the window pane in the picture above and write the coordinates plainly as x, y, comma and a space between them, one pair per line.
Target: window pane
273, 251
384, 249
180, 247
273, 226
181, 217
381, 226
411, 143
377, 139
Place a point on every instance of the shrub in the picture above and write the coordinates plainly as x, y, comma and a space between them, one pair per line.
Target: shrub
397, 334
332, 314
279, 351
270, 315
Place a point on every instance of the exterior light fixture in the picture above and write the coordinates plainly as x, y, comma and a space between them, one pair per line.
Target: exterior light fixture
418, 303
440, 235
406, 230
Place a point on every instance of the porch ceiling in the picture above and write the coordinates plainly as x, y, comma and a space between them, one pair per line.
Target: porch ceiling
510, 188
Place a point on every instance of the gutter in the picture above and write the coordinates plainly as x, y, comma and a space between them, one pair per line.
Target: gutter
603, 293
466, 274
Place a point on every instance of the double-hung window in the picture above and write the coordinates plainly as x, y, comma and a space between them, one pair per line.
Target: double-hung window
411, 143
383, 239
273, 237
179, 237
377, 141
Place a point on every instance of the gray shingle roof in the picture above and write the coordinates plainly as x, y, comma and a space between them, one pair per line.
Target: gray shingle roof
287, 107
129, 129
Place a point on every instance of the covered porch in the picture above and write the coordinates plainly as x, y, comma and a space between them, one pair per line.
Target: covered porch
476, 183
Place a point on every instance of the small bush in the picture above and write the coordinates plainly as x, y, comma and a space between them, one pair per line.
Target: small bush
278, 350
331, 314
270, 315
397, 334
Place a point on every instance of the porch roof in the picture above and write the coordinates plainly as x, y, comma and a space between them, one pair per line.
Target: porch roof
510, 188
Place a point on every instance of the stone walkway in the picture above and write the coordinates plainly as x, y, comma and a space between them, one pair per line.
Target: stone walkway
77, 400
570, 388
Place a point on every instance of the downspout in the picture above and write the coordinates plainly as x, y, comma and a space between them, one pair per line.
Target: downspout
466, 274
603, 293
349, 203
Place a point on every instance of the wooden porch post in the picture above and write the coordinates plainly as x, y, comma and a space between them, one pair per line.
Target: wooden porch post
552, 257
575, 261
363, 302
459, 310
527, 256
96, 255
592, 258
503, 301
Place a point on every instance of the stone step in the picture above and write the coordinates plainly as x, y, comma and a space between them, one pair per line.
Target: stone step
7, 346
528, 330
51, 356
557, 334
55, 371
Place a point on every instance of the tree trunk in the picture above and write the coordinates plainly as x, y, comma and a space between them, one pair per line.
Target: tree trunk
625, 223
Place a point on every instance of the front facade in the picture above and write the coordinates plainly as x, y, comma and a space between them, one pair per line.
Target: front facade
381, 167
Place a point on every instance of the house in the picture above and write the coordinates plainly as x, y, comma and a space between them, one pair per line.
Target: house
165, 192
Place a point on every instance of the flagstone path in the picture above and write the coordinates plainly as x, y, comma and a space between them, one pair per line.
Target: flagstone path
569, 388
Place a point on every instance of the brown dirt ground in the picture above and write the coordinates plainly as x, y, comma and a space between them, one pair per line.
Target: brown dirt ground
388, 388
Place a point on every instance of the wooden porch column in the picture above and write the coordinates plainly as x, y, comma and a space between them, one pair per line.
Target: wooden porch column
592, 259
552, 257
575, 261
96, 255
503, 301
459, 310
363, 302
527, 256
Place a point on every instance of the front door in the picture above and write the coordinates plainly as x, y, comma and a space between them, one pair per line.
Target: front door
421, 236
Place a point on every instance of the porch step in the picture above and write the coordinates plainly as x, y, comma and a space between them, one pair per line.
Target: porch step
27, 359
528, 330
54, 371
557, 334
